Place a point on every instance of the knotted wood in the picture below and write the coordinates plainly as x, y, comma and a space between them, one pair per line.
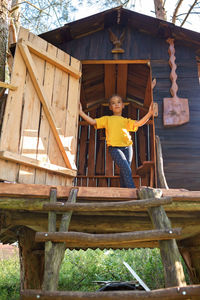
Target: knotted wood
173, 270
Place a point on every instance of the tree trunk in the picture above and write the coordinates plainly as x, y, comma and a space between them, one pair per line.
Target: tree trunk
4, 26
160, 10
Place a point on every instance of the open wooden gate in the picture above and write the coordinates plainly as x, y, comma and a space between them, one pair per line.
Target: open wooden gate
39, 131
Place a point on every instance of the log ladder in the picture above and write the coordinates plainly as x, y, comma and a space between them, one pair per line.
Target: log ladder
55, 245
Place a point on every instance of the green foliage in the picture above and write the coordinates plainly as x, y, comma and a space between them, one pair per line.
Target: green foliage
9, 279
80, 269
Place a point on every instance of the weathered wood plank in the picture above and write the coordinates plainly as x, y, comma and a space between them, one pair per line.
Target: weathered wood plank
98, 193
12, 115
175, 293
72, 113
31, 116
28, 161
44, 130
52, 59
48, 111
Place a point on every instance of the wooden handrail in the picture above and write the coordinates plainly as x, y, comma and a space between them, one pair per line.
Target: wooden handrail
112, 206
96, 240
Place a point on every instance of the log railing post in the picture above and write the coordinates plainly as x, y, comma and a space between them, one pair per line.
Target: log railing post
54, 252
173, 270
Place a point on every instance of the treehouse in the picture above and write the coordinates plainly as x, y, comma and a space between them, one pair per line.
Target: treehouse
52, 163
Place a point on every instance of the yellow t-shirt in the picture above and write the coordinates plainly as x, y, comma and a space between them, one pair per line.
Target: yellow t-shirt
117, 130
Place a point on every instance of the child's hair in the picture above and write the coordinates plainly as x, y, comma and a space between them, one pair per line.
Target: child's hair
117, 96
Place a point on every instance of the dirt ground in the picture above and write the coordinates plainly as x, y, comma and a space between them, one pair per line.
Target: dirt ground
8, 251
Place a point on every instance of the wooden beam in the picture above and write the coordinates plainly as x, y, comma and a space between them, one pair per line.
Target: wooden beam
51, 59
47, 109
95, 240
115, 61
31, 162
175, 293
8, 86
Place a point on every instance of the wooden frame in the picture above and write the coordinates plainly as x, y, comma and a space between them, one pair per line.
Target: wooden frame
112, 85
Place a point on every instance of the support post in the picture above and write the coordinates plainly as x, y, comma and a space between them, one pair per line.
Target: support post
54, 252
173, 270
31, 256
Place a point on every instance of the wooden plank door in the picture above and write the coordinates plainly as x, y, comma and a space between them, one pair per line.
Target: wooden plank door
39, 132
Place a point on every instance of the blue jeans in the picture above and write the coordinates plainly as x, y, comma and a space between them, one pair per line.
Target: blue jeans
122, 156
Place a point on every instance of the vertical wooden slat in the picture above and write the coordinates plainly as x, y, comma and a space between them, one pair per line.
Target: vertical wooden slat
109, 80
100, 155
91, 153
72, 112
31, 115
82, 155
100, 161
58, 98
10, 135
122, 80
133, 115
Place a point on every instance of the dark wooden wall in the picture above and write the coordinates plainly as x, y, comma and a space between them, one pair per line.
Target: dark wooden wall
181, 145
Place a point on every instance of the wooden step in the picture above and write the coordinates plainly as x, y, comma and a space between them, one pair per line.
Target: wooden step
132, 205
173, 293
125, 239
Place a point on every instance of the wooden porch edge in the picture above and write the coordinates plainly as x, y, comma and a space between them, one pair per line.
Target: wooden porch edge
102, 193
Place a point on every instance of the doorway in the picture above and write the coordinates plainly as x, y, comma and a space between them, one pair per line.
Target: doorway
132, 81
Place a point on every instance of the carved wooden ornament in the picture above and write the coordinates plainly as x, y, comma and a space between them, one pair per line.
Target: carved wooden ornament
175, 109
117, 42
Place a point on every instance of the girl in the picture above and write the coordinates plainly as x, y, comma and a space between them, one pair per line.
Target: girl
118, 138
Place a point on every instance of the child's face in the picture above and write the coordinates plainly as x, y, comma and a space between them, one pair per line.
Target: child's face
116, 105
